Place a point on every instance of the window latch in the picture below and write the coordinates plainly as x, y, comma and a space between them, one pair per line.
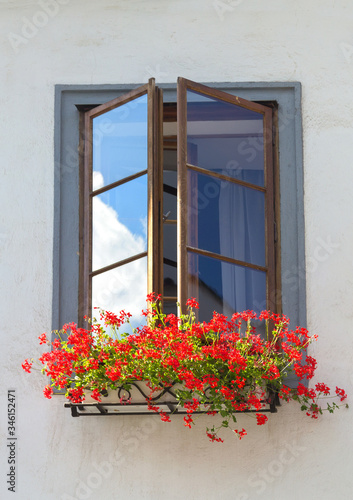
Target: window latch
165, 216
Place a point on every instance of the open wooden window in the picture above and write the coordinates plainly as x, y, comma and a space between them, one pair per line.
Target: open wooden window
225, 201
120, 250
178, 199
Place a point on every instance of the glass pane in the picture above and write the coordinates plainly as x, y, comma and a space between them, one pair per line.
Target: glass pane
224, 287
170, 307
226, 218
170, 160
225, 138
123, 288
169, 280
170, 242
119, 223
120, 142
170, 193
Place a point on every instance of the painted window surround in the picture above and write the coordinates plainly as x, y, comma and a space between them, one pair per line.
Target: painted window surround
66, 187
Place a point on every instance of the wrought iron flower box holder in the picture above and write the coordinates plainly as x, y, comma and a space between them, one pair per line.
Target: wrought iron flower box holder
134, 402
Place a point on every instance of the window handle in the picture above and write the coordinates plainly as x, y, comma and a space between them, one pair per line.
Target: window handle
165, 216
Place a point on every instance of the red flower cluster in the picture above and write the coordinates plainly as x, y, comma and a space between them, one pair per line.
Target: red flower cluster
220, 367
341, 393
213, 437
27, 365
43, 339
261, 419
192, 303
48, 391
241, 433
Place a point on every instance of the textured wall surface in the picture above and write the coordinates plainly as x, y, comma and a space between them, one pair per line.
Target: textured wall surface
87, 42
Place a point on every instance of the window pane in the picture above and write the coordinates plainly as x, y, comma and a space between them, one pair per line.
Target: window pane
225, 138
224, 287
226, 218
120, 142
170, 194
122, 288
170, 307
169, 280
170, 242
119, 223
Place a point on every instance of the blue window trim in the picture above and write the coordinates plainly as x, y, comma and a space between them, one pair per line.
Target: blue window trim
66, 187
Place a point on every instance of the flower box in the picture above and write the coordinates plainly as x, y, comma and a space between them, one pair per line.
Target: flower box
175, 365
134, 402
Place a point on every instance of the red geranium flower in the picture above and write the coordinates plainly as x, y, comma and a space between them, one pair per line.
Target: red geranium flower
241, 433
192, 303
27, 365
43, 339
48, 391
341, 393
261, 418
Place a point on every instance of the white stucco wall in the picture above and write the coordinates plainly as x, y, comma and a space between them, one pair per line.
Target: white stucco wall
84, 42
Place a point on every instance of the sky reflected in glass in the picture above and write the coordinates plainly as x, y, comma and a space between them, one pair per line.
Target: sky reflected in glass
120, 141
119, 223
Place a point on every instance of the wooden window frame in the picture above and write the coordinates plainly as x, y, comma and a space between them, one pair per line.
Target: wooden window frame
154, 250
71, 100
154, 173
271, 248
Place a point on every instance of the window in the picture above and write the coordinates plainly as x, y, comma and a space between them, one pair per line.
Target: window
226, 203
121, 213
218, 216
